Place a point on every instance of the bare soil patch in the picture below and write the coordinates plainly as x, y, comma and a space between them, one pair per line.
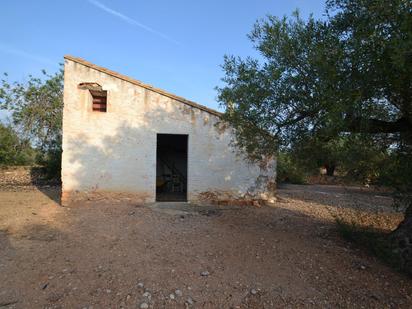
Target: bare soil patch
111, 255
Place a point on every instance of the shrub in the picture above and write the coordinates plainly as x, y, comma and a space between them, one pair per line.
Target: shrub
289, 171
14, 151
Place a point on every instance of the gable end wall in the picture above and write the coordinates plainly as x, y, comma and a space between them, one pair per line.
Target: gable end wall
113, 154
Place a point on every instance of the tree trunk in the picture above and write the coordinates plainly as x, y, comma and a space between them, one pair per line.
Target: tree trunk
402, 241
330, 169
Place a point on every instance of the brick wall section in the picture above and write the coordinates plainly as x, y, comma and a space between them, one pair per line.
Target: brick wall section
114, 153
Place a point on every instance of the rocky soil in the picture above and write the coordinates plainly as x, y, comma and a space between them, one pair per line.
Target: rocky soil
109, 255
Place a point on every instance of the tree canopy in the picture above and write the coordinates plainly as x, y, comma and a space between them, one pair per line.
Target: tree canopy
36, 108
320, 82
349, 72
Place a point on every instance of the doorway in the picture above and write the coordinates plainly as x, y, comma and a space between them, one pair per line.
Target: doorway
171, 168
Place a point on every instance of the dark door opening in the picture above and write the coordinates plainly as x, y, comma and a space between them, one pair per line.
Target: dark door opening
171, 167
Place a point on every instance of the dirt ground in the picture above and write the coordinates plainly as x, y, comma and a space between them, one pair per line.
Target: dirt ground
110, 255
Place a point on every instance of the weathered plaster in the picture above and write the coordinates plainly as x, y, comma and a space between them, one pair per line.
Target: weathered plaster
114, 153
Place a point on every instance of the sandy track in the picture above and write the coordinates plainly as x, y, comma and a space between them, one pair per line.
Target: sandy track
94, 255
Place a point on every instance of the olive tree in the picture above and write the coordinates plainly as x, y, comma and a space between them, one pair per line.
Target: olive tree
350, 72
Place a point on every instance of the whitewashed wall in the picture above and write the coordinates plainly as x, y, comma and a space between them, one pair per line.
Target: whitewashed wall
114, 153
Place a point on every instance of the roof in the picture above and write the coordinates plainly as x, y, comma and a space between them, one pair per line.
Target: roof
139, 83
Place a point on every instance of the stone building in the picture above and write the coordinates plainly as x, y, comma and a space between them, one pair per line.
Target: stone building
124, 139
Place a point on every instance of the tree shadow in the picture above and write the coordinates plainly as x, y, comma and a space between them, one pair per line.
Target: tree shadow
128, 237
39, 232
105, 157
29, 232
49, 187
340, 196
354, 205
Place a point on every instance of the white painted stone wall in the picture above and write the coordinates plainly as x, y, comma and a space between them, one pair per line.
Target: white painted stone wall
114, 153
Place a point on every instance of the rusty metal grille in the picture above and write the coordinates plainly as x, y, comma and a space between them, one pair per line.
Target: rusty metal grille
99, 100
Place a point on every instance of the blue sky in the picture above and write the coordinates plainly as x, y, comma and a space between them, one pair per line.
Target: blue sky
174, 45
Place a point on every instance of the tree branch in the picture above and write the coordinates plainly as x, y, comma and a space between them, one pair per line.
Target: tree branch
362, 125
301, 115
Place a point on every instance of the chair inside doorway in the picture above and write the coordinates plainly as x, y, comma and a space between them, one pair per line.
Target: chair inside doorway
171, 167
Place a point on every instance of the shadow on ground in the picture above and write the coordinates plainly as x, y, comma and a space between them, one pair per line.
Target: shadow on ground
122, 255
49, 187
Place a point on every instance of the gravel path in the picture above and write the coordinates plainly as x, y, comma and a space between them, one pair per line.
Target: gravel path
108, 255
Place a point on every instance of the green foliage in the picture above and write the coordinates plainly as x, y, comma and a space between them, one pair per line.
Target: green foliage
357, 157
315, 152
397, 171
13, 151
36, 108
363, 157
349, 73
334, 91
288, 170
51, 160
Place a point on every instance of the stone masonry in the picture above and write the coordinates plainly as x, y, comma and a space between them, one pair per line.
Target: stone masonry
113, 154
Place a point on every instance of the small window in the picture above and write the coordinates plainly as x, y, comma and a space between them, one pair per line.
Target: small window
99, 100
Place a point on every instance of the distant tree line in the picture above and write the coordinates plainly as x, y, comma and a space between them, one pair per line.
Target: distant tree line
33, 136
352, 158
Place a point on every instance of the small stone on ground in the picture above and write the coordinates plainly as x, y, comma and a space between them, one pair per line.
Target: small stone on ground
144, 306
